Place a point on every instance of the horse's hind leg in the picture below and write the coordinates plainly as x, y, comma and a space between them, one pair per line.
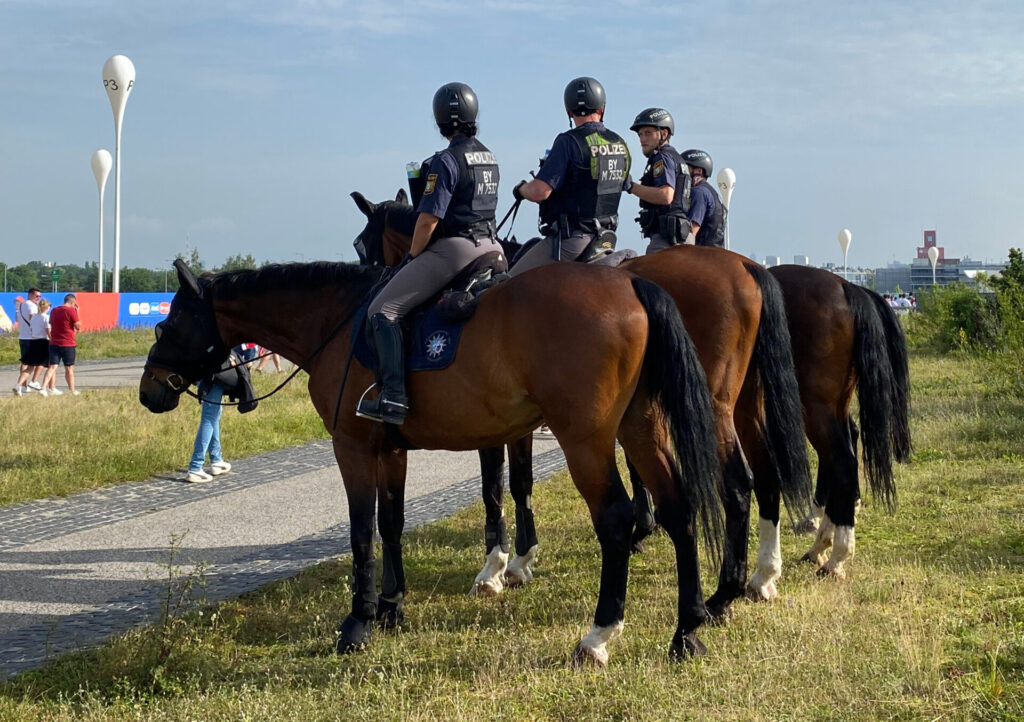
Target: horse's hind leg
520, 481
593, 470
643, 509
490, 580
391, 523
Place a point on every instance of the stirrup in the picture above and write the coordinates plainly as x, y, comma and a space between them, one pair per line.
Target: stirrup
359, 405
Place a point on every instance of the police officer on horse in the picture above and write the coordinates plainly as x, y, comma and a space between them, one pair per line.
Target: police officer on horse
707, 214
455, 226
664, 188
579, 185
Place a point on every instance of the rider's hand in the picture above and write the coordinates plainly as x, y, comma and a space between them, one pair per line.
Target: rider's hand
627, 185
517, 192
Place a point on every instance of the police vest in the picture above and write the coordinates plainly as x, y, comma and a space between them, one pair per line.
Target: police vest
712, 230
590, 195
651, 213
471, 211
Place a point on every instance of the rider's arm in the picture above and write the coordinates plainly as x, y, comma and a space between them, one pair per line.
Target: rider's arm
552, 173
425, 225
535, 190
660, 195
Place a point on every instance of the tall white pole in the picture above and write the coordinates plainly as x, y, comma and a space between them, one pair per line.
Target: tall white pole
933, 258
101, 163
844, 242
118, 80
726, 182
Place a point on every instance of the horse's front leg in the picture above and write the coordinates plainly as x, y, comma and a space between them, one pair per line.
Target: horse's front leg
490, 581
520, 473
391, 522
358, 471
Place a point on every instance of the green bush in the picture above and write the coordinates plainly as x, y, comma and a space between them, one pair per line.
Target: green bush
955, 317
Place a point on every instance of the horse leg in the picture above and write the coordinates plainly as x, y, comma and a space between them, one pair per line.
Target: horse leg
490, 581
843, 502
838, 464
391, 522
737, 484
520, 481
358, 469
597, 478
643, 510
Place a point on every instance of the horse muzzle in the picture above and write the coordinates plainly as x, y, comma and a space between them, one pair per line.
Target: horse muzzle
160, 394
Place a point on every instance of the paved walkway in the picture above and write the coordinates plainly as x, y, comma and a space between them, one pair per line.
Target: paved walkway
77, 570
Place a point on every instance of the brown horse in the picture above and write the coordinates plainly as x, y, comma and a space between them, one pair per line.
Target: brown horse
598, 353
733, 311
846, 337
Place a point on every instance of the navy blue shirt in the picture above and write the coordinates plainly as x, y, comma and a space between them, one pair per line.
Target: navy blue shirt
442, 174
702, 203
663, 169
565, 153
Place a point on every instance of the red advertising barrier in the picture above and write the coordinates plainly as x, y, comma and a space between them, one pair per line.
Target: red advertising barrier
97, 310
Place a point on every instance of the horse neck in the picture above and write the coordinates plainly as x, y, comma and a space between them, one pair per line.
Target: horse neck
394, 246
291, 323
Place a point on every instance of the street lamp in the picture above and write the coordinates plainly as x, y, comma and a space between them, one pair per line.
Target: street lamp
101, 169
726, 182
933, 258
118, 79
844, 242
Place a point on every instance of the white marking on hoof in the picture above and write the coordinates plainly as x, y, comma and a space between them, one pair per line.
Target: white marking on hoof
769, 563
488, 582
810, 523
843, 549
520, 569
817, 552
593, 647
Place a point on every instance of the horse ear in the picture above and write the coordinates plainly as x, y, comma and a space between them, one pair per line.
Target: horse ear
186, 279
364, 205
402, 197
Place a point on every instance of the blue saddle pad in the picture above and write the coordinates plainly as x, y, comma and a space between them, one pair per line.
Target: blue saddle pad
430, 341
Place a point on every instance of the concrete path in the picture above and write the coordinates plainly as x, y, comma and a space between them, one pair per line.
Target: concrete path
75, 571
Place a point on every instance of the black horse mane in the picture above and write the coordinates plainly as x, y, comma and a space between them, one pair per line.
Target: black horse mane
293, 277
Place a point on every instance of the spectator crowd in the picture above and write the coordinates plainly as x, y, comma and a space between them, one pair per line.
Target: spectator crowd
46, 338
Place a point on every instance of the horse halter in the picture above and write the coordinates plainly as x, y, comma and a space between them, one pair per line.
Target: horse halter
188, 344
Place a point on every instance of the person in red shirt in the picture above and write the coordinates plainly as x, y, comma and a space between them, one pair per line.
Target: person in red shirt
64, 324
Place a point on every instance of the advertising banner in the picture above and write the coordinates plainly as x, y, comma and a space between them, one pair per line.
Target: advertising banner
143, 309
101, 310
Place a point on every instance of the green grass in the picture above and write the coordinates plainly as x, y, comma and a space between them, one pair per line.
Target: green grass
57, 446
929, 625
115, 343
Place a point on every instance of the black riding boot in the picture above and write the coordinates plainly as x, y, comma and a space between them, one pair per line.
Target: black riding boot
391, 404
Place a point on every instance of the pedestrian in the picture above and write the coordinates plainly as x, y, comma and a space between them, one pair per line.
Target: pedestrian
31, 363
275, 357
580, 184
247, 351
210, 392
40, 331
64, 324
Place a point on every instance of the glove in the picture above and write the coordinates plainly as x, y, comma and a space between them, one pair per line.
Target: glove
627, 185
517, 193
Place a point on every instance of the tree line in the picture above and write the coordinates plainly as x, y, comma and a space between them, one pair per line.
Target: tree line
133, 280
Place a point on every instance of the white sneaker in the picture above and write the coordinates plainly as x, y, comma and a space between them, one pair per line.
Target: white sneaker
44, 393
56, 392
220, 467
76, 392
198, 477
35, 386
18, 390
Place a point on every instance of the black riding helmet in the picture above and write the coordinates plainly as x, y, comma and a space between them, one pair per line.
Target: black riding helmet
655, 118
698, 159
584, 96
455, 104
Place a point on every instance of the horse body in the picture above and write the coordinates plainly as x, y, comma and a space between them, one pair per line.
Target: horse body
594, 351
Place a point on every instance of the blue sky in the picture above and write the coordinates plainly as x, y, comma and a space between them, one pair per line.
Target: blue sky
251, 122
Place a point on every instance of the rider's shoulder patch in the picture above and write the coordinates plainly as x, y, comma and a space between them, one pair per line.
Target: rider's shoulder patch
431, 181
658, 168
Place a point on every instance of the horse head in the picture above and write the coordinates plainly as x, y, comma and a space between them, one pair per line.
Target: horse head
372, 244
188, 345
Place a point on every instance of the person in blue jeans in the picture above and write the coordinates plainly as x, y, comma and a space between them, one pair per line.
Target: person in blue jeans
208, 436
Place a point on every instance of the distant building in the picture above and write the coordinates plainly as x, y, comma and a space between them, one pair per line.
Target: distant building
802, 260
916, 275
770, 261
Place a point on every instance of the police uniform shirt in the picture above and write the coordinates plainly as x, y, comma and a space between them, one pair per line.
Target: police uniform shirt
702, 203
441, 178
663, 170
565, 155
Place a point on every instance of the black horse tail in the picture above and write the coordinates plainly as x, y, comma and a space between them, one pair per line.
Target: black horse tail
784, 434
880, 386
899, 377
675, 379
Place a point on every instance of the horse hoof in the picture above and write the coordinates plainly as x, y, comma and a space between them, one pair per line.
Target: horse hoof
487, 588
517, 577
353, 635
719, 615
389, 614
831, 572
520, 570
762, 593
686, 647
584, 655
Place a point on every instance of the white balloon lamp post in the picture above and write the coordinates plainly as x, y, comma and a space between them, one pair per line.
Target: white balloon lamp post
933, 258
101, 163
118, 80
844, 242
726, 182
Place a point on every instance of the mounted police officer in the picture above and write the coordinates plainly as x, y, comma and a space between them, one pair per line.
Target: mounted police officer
579, 185
455, 226
707, 214
664, 188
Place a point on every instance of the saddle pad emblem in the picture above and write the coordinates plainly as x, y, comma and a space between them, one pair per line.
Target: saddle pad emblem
436, 344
